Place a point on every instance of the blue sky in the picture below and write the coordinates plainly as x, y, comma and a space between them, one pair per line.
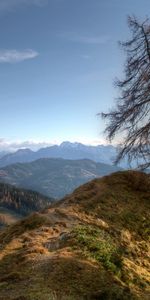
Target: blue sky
58, 61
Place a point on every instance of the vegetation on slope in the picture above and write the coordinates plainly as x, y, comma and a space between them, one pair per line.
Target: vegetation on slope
93, 244
15, 203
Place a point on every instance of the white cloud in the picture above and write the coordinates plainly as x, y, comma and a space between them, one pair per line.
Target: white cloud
85, 56
12, 4
15, 56
84, 39
90, 142
11, 146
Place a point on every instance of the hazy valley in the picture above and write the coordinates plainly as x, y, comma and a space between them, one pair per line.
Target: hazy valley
54, 177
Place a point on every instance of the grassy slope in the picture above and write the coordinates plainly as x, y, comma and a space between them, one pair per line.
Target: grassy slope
91, 245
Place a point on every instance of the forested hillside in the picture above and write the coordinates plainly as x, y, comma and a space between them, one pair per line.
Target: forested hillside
21, 201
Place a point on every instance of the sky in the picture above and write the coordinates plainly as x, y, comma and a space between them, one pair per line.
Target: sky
58, 62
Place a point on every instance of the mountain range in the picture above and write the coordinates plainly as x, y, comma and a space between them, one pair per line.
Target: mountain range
54, 177
66, 150
3, 153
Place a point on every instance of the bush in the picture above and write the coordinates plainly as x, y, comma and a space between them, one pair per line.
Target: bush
97, 244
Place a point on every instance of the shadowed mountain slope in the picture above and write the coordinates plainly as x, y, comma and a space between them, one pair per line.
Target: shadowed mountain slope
54, 177
8, 216
16, 203
93, 244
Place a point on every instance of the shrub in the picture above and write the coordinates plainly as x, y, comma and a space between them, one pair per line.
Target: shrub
97, 244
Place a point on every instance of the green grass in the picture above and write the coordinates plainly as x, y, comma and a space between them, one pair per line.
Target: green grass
97, 244
140, 223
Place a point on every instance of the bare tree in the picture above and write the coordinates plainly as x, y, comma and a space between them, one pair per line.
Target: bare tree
131, 117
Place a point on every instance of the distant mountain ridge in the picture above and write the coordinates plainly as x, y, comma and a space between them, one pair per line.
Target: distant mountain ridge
54, 177
3, 153
66, 150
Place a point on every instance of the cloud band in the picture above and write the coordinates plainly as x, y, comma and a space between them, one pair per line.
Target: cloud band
6, 5
15, 56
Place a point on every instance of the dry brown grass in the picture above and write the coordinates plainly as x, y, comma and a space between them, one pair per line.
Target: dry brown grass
54, 255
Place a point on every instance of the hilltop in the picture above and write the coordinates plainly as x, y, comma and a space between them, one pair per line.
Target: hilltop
54, 177
93, 244
16, 203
